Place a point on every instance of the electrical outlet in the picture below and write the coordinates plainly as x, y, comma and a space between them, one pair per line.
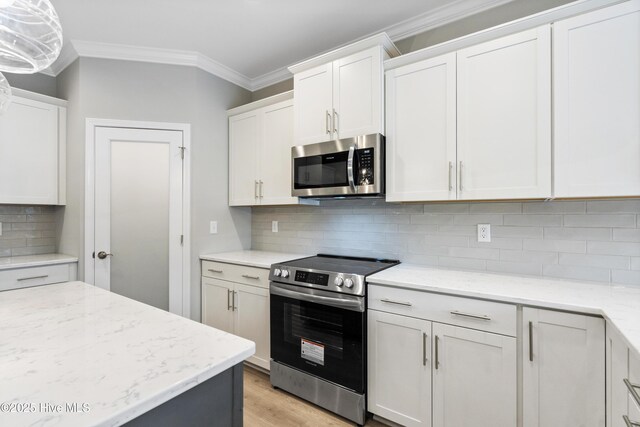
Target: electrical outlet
0, 229
274, 226
213, 227
484, 232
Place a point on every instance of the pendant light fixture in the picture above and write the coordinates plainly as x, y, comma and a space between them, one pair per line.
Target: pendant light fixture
30, 35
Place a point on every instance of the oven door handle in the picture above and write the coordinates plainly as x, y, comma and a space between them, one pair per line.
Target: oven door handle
348, 302
350, 174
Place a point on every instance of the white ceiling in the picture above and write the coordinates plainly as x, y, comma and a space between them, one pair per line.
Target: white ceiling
254, 38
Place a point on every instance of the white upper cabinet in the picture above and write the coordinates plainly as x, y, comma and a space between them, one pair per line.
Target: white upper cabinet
275, 155
504, 117
597, 107
341, 94
32, 150
314, 104
260, 142
421, 130
358, 94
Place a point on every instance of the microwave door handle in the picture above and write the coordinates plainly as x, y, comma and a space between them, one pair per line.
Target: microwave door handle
350, 175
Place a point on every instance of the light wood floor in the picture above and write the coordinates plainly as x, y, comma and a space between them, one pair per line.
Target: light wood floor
264, 406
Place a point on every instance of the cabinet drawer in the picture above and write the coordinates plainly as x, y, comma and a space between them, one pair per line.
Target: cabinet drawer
236, 273
487, 316
33, 276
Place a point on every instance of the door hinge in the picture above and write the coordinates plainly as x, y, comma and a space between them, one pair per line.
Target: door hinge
182, 152
182, 239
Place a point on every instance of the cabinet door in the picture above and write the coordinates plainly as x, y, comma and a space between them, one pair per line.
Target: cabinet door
217, 304
474, 378
504, 117
596, 71
251, 321
617, 358
358, 94
313, 105
563, 369
421, 131
275, 154
29, 153
244, 134
634, 378
399, 368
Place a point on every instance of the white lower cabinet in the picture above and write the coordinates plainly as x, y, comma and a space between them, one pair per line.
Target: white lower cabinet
474, 378
617, 357
399, 368
424, 373
239, 309
633, 392
563, 369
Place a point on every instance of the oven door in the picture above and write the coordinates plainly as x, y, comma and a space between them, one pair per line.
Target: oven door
321, 333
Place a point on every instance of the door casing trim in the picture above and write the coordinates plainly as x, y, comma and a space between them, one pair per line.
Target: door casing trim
89, 197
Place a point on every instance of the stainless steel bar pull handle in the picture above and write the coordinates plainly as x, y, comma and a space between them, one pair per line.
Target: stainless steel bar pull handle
530, 341
235, 303
327, 118
424, 349
630, 423
460, 167
437, 356
335, 122
44, 276
633, 390
246, 276
389, 301
472, 316
255, 189
261, 193
229, 306
214, 271
450, 180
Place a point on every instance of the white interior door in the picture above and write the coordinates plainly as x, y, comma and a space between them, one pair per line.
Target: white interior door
138, 214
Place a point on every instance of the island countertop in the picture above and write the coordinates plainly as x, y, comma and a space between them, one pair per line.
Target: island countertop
73, 343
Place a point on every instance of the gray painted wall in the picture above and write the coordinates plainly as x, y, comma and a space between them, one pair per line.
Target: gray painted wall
40, 83
140, 91
583, 240
283, 86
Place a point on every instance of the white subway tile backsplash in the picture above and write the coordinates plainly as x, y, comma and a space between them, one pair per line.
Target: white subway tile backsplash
577, 273
532, 220
626, 277
583, 240
553, 207
614, 220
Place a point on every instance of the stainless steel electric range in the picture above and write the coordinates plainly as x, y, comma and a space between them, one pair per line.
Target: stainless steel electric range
319, 330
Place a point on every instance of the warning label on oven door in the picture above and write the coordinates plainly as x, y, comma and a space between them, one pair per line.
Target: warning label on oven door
312, 351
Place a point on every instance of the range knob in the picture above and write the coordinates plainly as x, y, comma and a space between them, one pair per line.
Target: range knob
338, 282
277, 272
285, 273
348, 283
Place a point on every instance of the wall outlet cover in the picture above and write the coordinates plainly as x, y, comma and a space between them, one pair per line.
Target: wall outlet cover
213, 227
484, 233
274, 226
0, 229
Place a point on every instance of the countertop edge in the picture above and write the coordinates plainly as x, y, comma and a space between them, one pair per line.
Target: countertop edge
128, 414
64, 259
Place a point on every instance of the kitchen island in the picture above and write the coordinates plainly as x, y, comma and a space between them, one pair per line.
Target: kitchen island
72, 354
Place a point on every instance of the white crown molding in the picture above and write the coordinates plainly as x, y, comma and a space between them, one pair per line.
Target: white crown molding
449, 12
454, 10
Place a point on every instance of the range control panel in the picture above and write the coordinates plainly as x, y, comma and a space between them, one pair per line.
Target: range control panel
312, 278
353, 284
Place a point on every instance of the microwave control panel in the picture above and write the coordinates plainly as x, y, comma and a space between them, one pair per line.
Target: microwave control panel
365, 163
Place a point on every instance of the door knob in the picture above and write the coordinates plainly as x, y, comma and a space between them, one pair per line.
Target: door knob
103, 254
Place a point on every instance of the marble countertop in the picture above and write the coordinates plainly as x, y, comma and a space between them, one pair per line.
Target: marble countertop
617, 304
24, 261
259, 259
76, 343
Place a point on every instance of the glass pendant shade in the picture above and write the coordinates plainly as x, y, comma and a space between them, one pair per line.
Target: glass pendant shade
30, 35
5, 94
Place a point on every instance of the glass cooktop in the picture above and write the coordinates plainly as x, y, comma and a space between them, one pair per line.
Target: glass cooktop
342, 264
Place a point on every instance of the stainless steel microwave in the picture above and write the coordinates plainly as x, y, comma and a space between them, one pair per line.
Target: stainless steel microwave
339, 168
